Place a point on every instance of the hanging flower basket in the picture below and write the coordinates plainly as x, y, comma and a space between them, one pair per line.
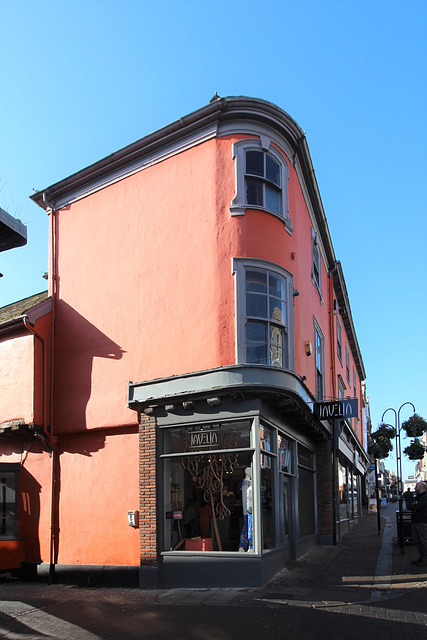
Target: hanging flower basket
415, 426
378, 451
415, 451
384, 430
381, 441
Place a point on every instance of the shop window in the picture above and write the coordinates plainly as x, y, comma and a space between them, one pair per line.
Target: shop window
306, 492
264, 314
208, 495
8, 501
267, 487
343, 488
285, 454
355, 496
285, 457
261, 179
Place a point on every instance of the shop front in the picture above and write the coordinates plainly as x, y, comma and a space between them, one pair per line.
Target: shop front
349, 481
236, 479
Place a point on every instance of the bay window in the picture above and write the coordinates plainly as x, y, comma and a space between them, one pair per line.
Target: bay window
264, 314
261, 179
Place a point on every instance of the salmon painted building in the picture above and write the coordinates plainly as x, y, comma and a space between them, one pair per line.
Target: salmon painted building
191, 364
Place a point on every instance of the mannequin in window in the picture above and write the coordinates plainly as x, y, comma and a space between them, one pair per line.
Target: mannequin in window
246, 535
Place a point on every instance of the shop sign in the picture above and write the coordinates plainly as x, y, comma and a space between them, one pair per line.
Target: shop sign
347, 408
201, 439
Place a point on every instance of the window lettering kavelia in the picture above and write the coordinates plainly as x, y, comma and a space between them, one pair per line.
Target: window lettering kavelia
347, 408
222, 451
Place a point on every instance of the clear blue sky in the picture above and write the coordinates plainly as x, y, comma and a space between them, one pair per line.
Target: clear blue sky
80, 79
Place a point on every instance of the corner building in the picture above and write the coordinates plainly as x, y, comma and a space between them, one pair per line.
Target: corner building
194, 271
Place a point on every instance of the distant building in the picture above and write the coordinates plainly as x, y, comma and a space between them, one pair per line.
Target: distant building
199, 321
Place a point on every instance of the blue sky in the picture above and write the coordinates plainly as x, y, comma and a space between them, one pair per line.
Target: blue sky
81, 79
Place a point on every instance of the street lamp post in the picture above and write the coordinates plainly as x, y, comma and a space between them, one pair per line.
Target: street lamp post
398, 429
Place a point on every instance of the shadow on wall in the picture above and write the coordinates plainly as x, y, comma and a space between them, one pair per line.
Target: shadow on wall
29, 514
78, 342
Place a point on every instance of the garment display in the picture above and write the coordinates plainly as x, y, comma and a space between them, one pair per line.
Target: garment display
246, 535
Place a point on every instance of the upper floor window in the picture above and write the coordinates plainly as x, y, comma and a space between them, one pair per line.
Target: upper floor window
347, 364
320, 365
261, 179
339, 339
264, 306
341, 388
316, 266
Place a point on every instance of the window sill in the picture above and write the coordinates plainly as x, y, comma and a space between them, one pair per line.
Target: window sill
212, 554
240, 210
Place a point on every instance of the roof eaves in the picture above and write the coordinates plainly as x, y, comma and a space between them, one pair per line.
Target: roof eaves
345, 310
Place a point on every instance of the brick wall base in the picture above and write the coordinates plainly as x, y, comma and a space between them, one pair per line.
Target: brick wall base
147, 491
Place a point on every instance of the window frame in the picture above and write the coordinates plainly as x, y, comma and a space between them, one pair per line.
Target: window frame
347, 364
12, 470
339, 339
316, 263
319, 349
239, 203
240, 266
169, 458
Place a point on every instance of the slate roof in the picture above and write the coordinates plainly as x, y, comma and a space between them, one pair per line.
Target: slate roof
20, 308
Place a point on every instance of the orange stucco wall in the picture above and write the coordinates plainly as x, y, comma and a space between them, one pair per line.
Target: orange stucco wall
146, 290
99, 485
17, 378
12, 553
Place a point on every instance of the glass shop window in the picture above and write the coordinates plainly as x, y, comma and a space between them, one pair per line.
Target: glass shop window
306, 492
285, 454
343, 488
8, 504
355, 496
267, 487
208, 495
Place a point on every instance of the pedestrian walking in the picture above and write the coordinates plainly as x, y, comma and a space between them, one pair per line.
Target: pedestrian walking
418, 506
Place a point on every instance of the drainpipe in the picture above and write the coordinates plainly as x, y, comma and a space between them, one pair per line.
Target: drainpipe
53, 515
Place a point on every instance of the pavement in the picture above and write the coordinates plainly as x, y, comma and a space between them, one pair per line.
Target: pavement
363, 587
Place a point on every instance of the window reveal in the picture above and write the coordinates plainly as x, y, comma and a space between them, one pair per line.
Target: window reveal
261, 179
339, 339
266, 318
319, 344
316, 261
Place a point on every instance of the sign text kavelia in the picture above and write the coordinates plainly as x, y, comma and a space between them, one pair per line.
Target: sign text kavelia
347, 408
